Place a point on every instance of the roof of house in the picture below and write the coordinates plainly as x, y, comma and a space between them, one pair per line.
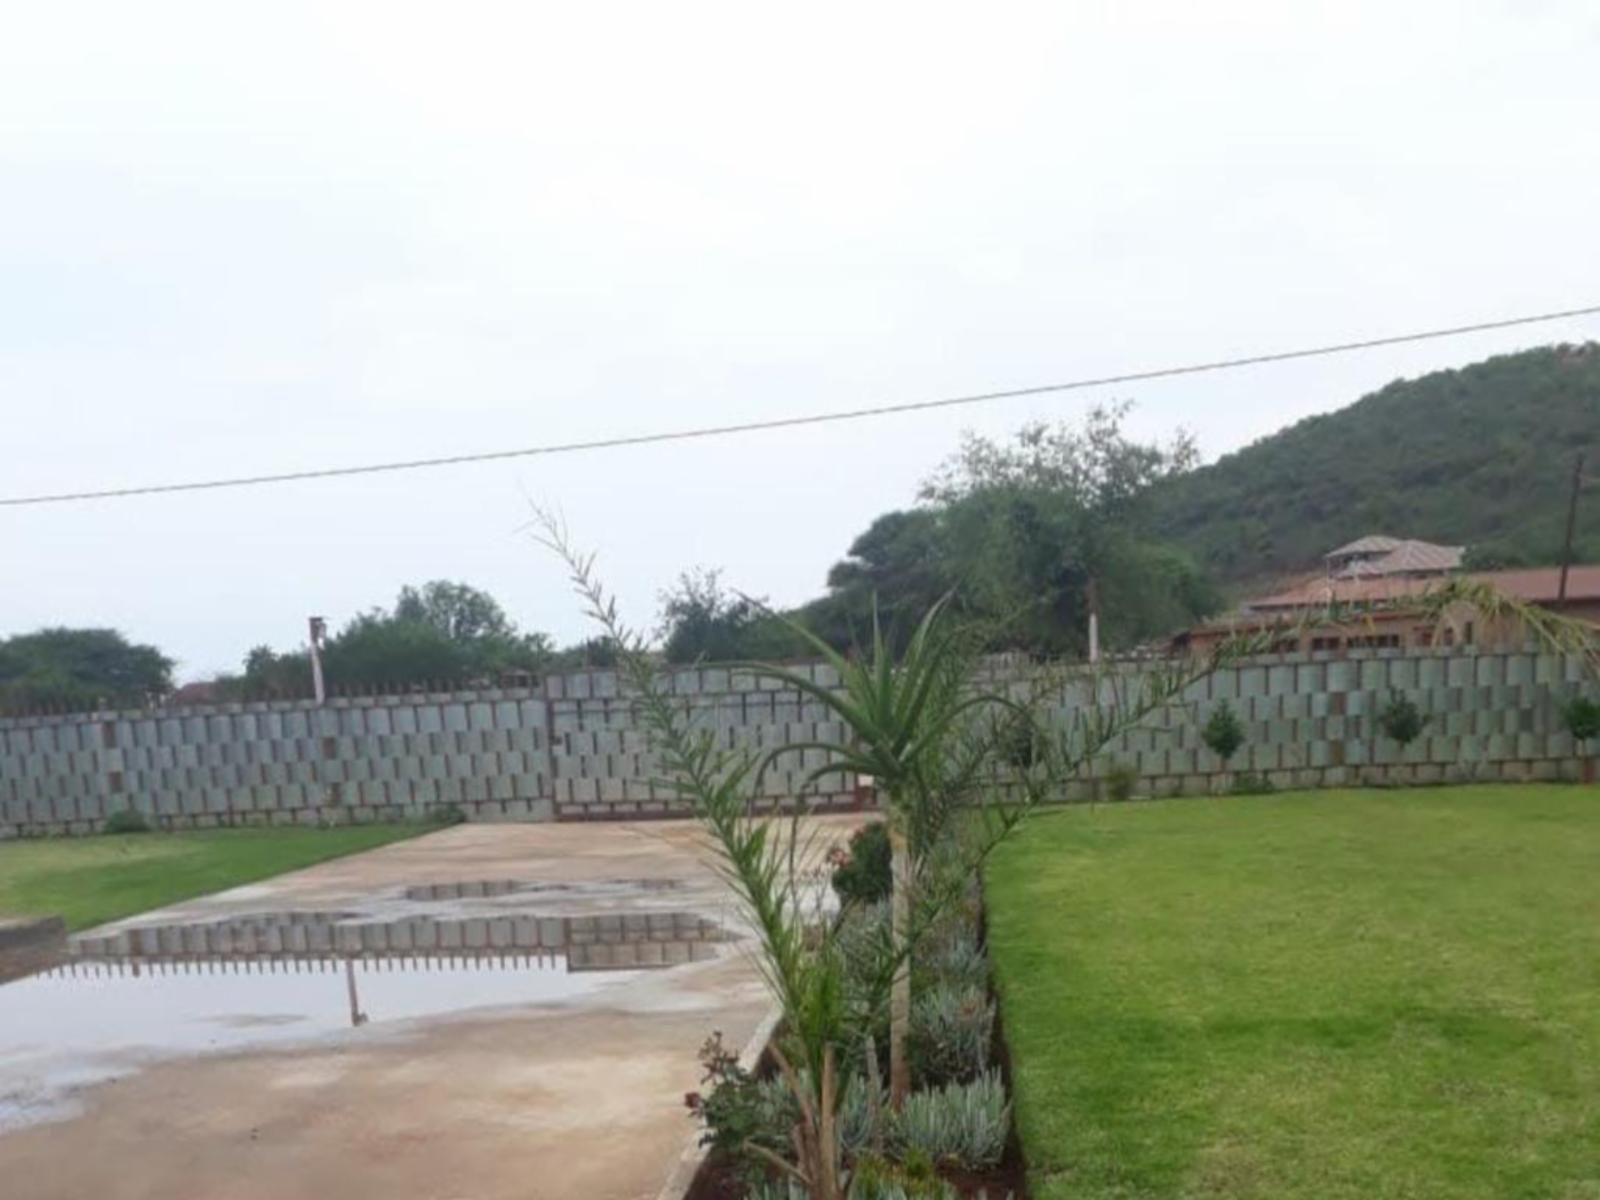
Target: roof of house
1538, 585
1373, 543
1381, 555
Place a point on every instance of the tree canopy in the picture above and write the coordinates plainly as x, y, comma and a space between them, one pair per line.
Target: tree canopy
1015, 532
441, 632
79, 669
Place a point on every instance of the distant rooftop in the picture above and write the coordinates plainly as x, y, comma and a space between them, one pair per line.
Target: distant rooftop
1536, 585
1378, 555
1373, 543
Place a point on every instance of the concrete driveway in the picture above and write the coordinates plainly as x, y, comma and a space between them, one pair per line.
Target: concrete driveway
234, 1062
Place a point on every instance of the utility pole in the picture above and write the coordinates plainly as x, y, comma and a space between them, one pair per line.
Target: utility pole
1572, 525
1094, 621
319, 634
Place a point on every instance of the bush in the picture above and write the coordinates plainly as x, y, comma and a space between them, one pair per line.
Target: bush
952, 1029
126, 820
740, 1110
859, 1111
1249, 783
1223, 733
862, 875
960, 1123
875, 1178
447, 814
1120, 780
959, 962
1582, 718
1401, 719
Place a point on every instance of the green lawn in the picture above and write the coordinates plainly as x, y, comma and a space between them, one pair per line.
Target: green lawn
1335, 995
95, 879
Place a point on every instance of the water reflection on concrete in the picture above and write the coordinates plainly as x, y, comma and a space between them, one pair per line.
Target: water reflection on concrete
88, 1022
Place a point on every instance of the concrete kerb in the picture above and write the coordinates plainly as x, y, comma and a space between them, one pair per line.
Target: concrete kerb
681, 1178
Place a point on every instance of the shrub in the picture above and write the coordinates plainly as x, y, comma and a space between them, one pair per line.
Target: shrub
1250, 783
127, 820
862, 875
859, 1112
1223, 733
1401, 719
447, 814
1120, 780
961, 1123
952, 1029
875, 1178
783, 1189
1582, 718
740, 1110
958, 963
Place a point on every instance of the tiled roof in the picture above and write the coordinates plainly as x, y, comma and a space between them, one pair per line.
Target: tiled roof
1412, 557
1373, 543
1378, 554
1535, 584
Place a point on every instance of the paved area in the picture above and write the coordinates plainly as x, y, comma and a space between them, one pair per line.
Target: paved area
576, 1094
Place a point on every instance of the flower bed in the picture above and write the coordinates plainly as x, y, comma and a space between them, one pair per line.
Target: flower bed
953, 1137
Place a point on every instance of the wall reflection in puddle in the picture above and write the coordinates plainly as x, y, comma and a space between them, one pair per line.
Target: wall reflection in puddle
91, 1021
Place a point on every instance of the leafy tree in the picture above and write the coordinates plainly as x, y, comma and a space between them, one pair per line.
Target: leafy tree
1582, 718
1223, 733
463, 614
1028, 535
594, 652
80, 668
441, 632
1401, 719
700, 619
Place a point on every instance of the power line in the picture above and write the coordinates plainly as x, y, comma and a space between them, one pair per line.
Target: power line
857, 414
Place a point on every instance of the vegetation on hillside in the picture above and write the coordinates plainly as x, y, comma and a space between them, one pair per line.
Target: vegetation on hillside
1480, 456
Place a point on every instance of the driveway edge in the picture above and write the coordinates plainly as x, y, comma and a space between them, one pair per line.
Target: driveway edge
683, 1172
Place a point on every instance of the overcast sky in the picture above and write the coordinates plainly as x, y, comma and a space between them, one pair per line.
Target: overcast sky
252, 238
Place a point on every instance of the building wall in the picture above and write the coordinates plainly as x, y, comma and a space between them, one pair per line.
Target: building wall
572, 748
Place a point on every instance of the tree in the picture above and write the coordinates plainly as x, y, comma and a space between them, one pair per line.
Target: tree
700, 619
441, 632
1582, 718
80, 668
1048, 532
1028, 536
1223, 733
1401, 719
461, 613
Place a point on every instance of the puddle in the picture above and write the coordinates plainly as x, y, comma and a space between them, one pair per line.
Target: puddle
90, 1022
252, 981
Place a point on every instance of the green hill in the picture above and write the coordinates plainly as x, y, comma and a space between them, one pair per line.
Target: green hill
1480, 456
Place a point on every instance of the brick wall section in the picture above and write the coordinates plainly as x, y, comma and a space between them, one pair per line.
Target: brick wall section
572, 748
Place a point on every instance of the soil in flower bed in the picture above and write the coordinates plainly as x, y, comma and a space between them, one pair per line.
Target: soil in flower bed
718, 1180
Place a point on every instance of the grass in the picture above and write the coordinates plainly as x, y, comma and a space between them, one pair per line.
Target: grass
96, 879
1332, 995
